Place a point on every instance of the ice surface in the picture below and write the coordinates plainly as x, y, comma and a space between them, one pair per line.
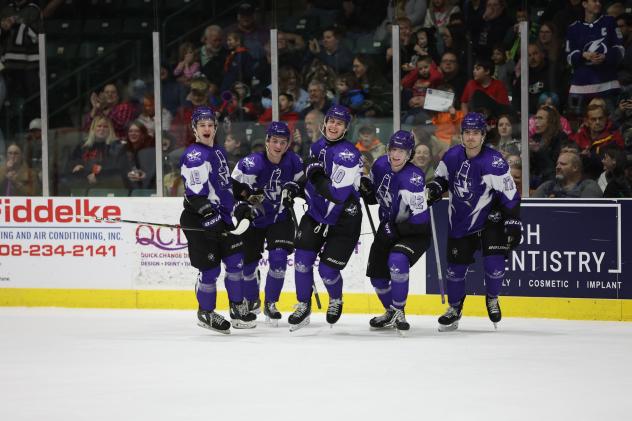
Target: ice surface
71, 364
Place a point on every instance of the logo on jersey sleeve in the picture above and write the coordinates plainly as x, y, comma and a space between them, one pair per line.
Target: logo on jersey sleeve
498, 162
194, 156
248, 162
416, 180
346, 155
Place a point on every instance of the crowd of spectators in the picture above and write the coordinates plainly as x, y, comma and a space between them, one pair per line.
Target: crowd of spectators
580, 83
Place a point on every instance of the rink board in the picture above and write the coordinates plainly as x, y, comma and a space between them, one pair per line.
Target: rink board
571, 264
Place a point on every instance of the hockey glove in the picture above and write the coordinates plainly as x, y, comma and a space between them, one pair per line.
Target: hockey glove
387, 233
314, 171
214, 225
366, 190
242, 210
290, 191
435, 191
513, 229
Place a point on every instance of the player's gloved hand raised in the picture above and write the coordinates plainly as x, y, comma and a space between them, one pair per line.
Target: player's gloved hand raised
434, 192
214, 225
513, 229
387, 233
314, 170
289, 192
242, 210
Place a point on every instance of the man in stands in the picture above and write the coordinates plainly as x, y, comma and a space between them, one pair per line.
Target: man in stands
569, 180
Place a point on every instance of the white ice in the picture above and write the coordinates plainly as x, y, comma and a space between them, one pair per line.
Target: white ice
71, 364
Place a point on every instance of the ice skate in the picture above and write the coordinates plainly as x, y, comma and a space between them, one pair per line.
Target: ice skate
385, 321
450, 320
334, 311
213, 321
300, 317
401, 324
493, 310
272, 314
240, 317
254, 306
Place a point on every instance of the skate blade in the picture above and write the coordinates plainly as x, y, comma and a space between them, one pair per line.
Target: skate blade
385, 327
294, 328
272, 322
238, 324
449, 328
205, 326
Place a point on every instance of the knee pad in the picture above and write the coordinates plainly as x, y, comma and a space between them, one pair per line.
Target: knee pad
399, 266
329, 275
277, 261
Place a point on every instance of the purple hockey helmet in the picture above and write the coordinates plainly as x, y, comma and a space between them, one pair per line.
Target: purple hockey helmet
200, 113
402, 139
278, 128
340, 112
474, 121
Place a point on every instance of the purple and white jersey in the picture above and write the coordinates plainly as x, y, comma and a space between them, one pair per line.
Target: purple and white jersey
256, 171
475, 185
401, 195
205, 173
343, 165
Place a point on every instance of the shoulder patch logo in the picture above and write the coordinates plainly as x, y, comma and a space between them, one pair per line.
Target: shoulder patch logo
416, 180
194, 156
346, 155
499, 162
249, 162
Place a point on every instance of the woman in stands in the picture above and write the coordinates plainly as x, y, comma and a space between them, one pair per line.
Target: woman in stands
544, 145
137, 158
94, 162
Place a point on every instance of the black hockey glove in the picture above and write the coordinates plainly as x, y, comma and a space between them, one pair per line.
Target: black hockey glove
435, 191
366, 190
315, 171
387, 233
513, 229
214, 225
291, 190
242, 210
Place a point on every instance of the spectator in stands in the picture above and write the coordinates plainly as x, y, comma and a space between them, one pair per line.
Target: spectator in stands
236, 148
330, 51
181, 124
422, 135
550, 43
422, 159
624, 23
317, 70
254, 37
550, 98
438, 14
107, 103
612, 180
452, 75
349, 93
406, 45
504, 68
425, 45
448, 123
239, 63
213, 54
569, 180
415, 10
188, 64
512, 38
495, 24
286, 112
33, 146
545, 144
515, 170
484, 91
594, 48
425, 72
622, 117
303, 139
136, 166
597, 132
94, 163
377, 91
317, 98
148, 116
238, 105
454, 38
16, 178
507, 144
290, 82
20, 25
369, 145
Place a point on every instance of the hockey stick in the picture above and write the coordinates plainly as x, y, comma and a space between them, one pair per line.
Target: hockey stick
368, 213
242, 226
295, 222
435, 244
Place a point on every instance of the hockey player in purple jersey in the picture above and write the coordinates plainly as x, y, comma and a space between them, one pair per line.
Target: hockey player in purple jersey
404, 233
208, 204
484, 214
333, 219
258, 181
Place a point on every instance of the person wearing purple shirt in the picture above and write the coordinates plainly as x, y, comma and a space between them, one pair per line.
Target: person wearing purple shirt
258, 179
403, 235
333, 219
484, 213
208, 204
